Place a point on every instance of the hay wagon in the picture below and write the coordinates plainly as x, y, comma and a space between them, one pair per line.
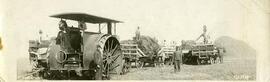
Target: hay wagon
200, 53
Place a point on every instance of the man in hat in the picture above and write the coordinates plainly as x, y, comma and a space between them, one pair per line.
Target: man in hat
41, 37
205, 37
62, 27
82, 25
137, 34
177, 59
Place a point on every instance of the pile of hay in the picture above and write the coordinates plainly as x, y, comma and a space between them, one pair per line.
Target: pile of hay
235, 48
147, 44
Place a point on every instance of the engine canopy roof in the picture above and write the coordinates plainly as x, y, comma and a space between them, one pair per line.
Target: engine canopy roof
85, 17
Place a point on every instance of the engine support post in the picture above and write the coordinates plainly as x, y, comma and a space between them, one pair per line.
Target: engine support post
109, 27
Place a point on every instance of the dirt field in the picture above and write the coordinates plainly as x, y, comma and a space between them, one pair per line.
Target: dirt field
231, 69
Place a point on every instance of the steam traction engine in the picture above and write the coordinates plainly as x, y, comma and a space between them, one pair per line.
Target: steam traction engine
89, 55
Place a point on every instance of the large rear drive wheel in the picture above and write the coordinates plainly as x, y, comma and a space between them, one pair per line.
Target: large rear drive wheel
111, 58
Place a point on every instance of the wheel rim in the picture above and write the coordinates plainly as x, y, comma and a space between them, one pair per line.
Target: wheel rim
111, 54
34, 63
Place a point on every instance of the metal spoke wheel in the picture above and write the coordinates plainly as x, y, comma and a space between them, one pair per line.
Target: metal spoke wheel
111, 60
33, 61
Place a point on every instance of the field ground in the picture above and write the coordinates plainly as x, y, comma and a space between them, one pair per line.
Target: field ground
231, 69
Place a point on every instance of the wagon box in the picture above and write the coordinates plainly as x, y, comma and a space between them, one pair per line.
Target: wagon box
199, 52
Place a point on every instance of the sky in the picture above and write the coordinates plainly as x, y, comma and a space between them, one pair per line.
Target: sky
171, 20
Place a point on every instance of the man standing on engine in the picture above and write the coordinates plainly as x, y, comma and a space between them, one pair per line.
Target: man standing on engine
62, 27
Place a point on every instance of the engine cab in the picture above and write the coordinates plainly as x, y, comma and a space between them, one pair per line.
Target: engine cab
74, 47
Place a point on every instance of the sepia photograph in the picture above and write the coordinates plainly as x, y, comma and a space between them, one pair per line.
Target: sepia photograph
88, 40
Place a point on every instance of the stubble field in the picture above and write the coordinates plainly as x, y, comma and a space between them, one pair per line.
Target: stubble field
231, 69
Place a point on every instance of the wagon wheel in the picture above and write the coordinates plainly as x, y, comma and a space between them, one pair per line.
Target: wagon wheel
198, 61
125, 67
212, 60
218, 60
111, 59
33, 61
140, 64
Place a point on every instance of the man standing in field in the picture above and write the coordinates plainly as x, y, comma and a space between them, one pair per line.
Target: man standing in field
177, 59
221, 53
